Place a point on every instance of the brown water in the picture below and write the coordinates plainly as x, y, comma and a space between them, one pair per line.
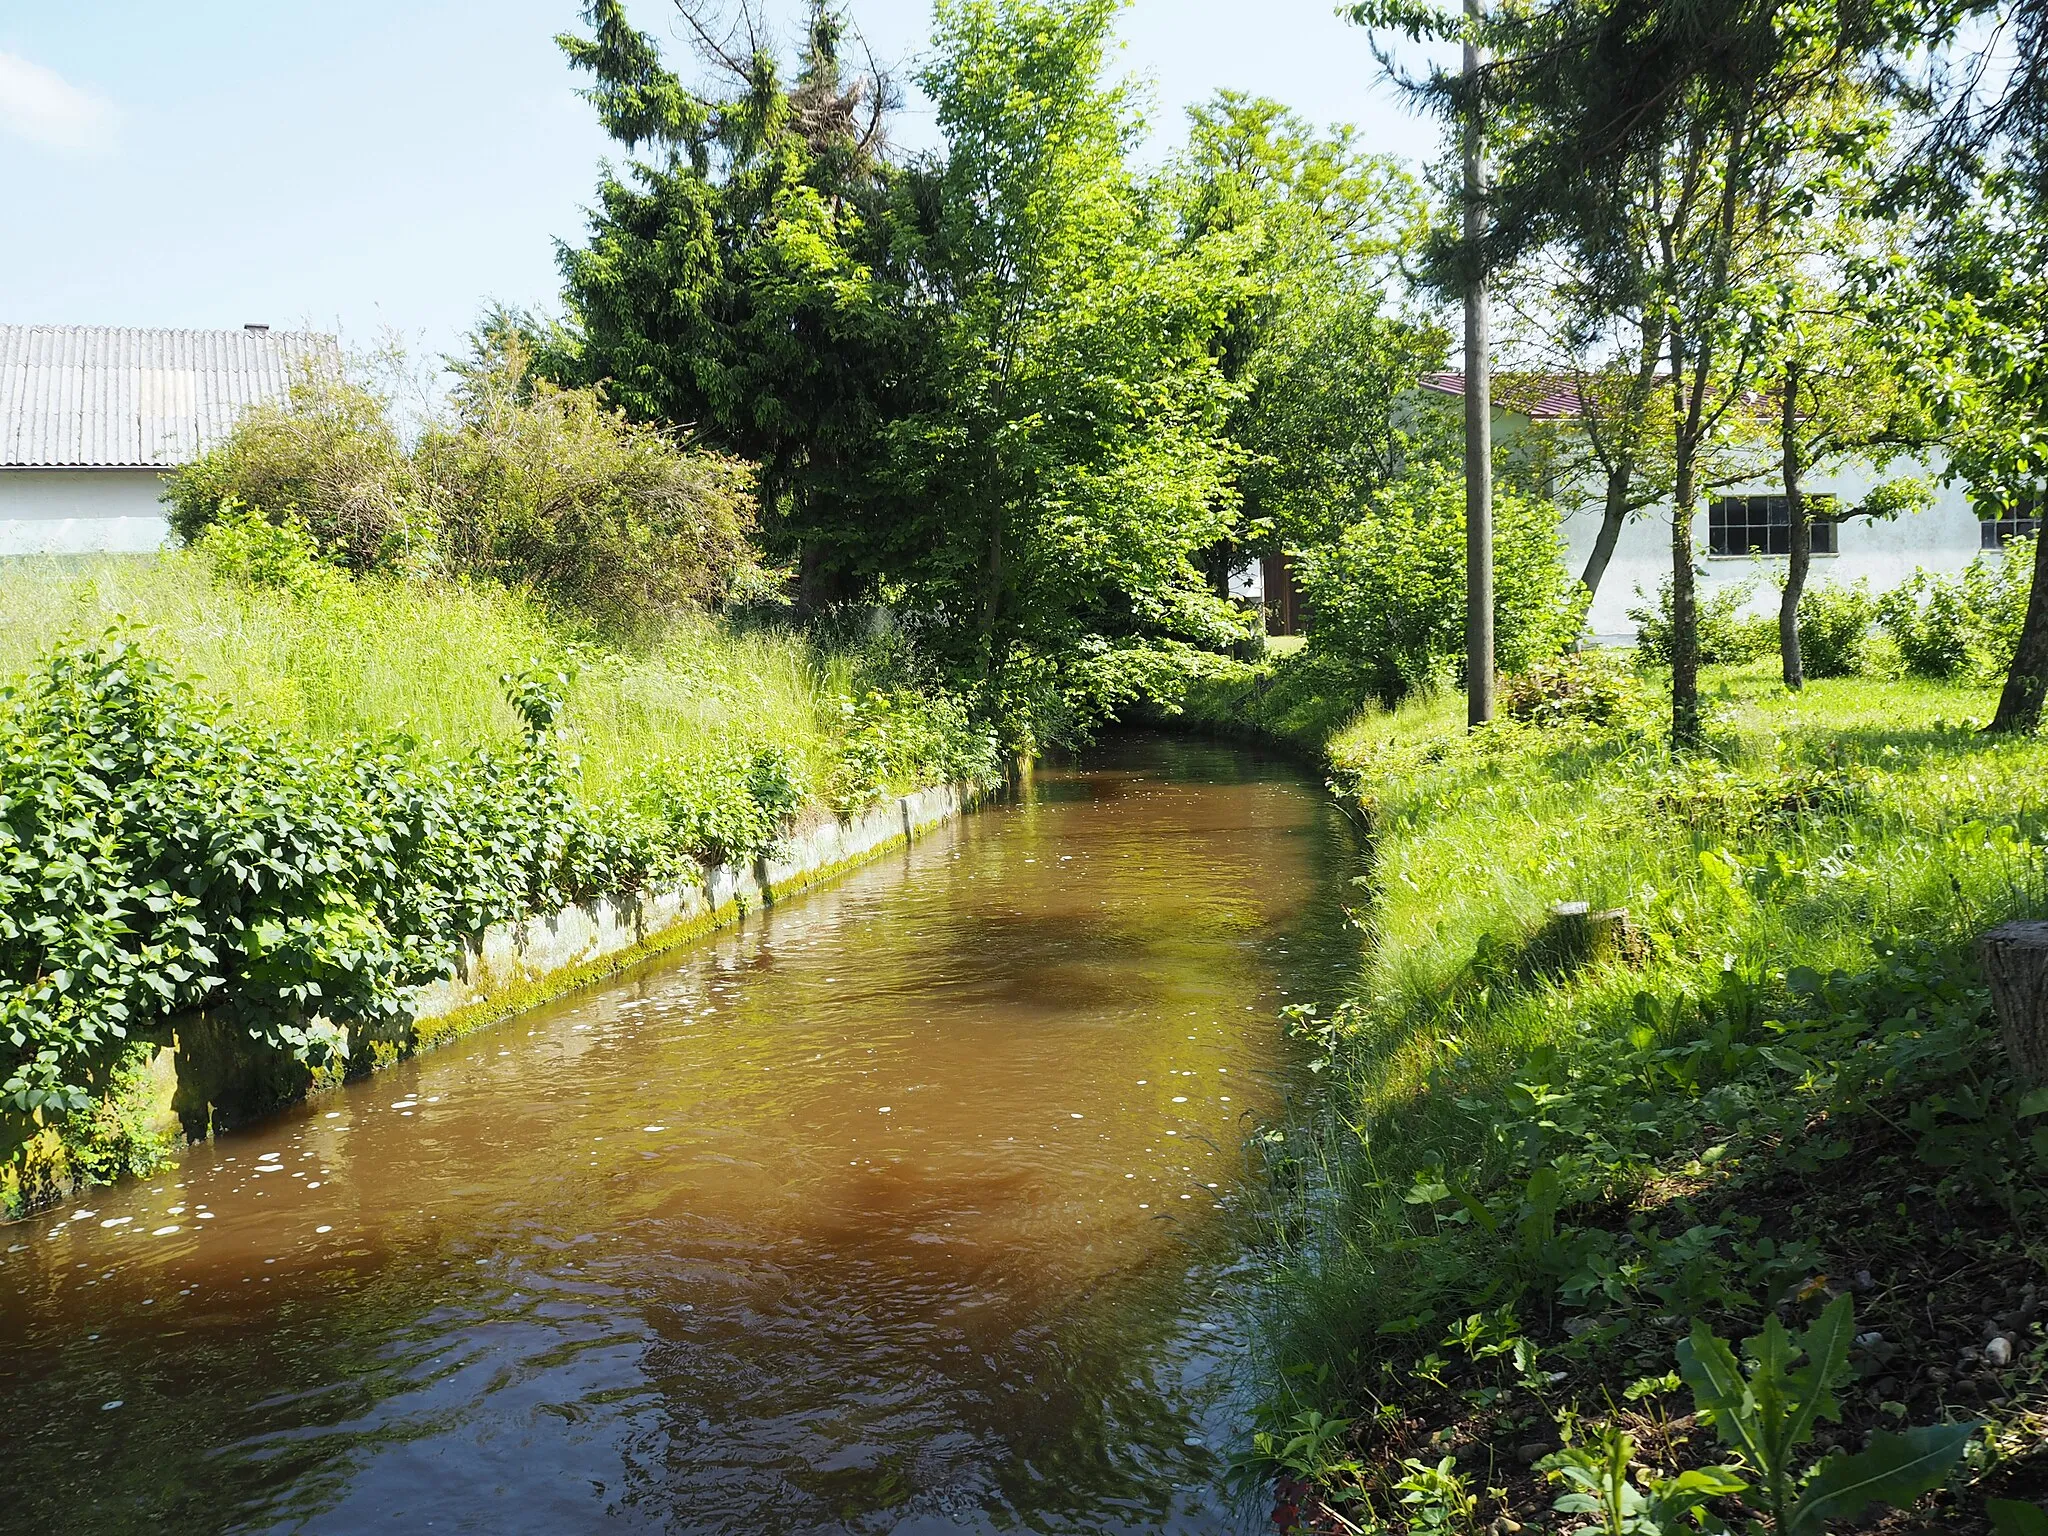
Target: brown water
907, 1207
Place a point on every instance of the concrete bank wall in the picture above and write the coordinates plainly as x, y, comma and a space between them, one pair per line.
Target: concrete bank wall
212, 1079
517, 965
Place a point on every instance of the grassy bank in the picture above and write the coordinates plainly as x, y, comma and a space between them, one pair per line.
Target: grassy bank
285, 803
338, 660
1772, 1093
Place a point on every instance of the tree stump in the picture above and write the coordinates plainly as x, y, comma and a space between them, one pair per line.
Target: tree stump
1577, 936
2015, 961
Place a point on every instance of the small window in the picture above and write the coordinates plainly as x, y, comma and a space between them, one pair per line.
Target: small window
1997, 532
1762, 525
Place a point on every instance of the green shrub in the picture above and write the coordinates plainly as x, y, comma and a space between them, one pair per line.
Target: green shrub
536, 488
1588, 686
155, 857
897, 737
731, 809
1834, 629
1998, 592
158, 858
242, 545
330, 456
1930, 619
602, 517
1387, 598
1964, 626
1298, 697
1727, 635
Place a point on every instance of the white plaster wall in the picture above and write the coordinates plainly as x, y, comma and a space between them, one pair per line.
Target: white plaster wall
1944, 538
81, 511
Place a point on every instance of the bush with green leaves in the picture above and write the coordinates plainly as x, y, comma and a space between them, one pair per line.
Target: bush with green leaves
158, 857
279, 553
2011, 1517
1962, 627
1930, 619
730, 809
615, 523
1834, 629
1387, 598
161, 858
329, 456
614, 520
1592, 687
1727, 634
1766, 1414
900, 736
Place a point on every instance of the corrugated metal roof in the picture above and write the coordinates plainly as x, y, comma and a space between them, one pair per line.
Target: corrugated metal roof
110, 397
1539, 396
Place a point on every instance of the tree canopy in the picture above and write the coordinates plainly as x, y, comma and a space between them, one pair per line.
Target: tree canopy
1027, 394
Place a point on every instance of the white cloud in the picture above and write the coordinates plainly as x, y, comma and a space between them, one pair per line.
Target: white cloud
41, 106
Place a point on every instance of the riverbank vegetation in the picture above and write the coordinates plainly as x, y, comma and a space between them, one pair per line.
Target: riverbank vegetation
1754, 1078
327, 660
250, 784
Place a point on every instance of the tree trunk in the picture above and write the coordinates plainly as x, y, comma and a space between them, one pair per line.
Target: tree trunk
1690, 432
1799, 538
2026, 685
812, 582
1685, 616
2015, 962
1612, 517
1622, 473
1478, 417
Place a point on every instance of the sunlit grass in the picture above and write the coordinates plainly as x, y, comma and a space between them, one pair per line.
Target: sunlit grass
1936, 834
1477, 840
351, 659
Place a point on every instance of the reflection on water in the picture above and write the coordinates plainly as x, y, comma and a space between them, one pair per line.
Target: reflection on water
906, 1207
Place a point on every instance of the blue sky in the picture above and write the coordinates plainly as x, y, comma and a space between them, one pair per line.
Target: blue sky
397, 163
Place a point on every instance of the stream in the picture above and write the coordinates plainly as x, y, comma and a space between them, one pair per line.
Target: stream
914, 1204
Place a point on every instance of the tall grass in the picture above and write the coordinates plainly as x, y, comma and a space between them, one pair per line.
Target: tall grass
1821, 830
344, 658
1917, 824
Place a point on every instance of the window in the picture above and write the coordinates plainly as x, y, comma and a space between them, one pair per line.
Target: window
1762, 525
2000, 520
1997, 532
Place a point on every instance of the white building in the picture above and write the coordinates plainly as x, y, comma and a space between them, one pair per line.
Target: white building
91, 417
1740, 530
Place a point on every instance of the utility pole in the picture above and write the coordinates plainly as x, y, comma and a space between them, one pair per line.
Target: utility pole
1478, 411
